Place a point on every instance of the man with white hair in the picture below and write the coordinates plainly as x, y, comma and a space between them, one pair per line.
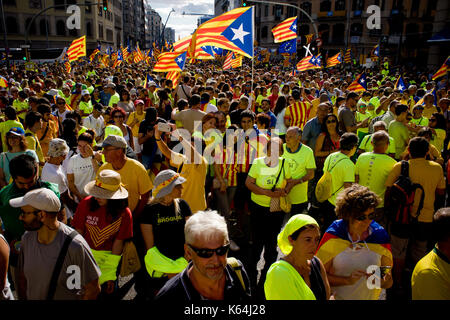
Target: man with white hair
209, 275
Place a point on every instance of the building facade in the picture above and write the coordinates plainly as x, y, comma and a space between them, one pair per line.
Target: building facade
152, 25
134, 22
169, 35
405, 28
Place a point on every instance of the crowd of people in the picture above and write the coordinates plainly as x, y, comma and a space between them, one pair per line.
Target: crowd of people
227, 186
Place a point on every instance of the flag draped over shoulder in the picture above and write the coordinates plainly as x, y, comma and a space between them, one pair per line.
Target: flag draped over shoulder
170, 61
336, 240
334, 60
442, 70
286, 30
400, 84
232, 30
77, 49
359, 84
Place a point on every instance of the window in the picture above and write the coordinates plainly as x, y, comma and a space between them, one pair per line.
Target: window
89, 29
266, 11
307, 7
339, 5
303, 30
431, 7
11, 25
11, 3
338, 33
356, 29
324, 32
32, 27
358, 5
60, 28
109, 35
427, 31
100, 31
35, 4
264, 32
325, 6
73, 33
44, 27
88, 8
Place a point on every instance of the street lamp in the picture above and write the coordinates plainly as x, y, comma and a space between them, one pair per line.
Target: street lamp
164, 27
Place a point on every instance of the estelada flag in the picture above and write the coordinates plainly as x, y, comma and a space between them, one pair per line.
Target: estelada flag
336, 240
359, 84
170, 61
308, 63
286, 30
77, 49
174, 76
232, 30
334, 60
442, 70
400, 84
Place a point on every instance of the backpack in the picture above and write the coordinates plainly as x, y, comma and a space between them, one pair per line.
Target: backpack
237, 268
325, 183
400, 199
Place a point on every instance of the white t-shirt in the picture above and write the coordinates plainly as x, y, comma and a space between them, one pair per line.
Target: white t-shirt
55, 174
98, 125
83, 172
211, 108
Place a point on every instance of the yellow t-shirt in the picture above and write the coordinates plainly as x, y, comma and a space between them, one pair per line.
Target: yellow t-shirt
265, 178
19, 106
5, 127
135, 128
86, 107
427, 173
135, 178
313, 112
33, 144
373, 170
114, 99
194, 187
341, 172
438, 139
299, 163
366, 144
427, 112
360, 117
431, 277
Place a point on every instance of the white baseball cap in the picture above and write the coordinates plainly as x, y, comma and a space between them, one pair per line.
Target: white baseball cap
83, 92
42, 199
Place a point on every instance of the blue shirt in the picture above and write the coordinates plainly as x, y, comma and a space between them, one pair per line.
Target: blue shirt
273, 119
311, 132
104, 98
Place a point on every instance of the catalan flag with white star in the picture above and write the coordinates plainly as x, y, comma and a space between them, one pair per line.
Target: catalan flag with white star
286, 30
334, 60
170, 61
400, 84
359, 84
442, 70
232, 30
375, 54
308, 63
77, 49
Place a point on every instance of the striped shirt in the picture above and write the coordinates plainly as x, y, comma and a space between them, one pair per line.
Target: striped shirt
298, 113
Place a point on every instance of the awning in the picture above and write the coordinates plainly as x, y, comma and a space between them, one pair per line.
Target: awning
441, 36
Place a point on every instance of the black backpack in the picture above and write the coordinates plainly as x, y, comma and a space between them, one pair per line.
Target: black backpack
399, 202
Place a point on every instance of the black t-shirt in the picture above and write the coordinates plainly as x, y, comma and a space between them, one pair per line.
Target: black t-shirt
149, 147
235, 117
168, 228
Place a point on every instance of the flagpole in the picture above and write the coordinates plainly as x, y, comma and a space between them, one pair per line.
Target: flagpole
253, 44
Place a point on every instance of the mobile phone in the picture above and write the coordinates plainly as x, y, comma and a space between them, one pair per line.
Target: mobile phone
164, 127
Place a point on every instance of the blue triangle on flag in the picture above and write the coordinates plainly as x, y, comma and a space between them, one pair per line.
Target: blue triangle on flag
240, 32
180, 60
294, 26
209, 50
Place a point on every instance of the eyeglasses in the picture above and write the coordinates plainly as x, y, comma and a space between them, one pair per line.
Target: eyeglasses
363, 217
208, 253
331, 121
23, 213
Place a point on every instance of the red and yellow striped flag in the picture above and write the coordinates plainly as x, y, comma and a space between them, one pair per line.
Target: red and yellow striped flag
286, 30
334, 60
307, 63
138, 55
182, 45
442, 70
68, 66
170, 61
77, 49
174, 76
125, 53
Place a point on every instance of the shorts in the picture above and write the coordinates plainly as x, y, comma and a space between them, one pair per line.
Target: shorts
421, 233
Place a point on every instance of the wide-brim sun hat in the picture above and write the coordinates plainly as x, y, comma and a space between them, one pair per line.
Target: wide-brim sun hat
164, 183
107, 185
295, 222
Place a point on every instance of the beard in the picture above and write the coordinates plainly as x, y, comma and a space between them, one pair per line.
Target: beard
33, 226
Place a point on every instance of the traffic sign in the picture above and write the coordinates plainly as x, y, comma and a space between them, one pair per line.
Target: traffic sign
319, 42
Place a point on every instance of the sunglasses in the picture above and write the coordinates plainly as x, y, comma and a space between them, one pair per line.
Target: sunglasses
331, 121
208, 253
363, 217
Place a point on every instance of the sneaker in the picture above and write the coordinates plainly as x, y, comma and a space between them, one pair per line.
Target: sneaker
234, 246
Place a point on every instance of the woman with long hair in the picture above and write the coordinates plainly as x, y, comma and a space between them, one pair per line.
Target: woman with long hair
328, 141
279, 111
105, 222
160, 238
165, 106
125, 102
17, 145
118, 115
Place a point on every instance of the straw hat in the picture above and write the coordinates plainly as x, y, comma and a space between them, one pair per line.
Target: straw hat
107, 185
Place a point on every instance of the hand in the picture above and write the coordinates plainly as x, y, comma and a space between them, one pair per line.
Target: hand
355, 276
223, 186
276, 194
109, 286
